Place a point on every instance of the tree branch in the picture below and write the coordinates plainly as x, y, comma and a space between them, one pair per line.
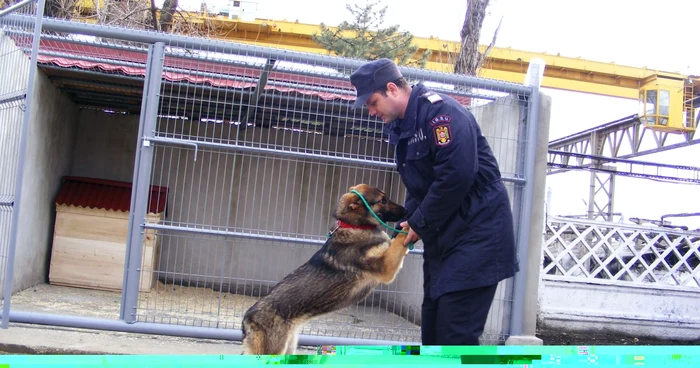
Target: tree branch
483, 56
129, 14
154, 15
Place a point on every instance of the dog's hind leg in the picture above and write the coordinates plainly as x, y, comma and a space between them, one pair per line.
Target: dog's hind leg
277, 338
253, 342
393, 259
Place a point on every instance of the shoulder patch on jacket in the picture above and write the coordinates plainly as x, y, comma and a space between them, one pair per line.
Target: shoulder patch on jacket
442, 135
440, 119
432, 97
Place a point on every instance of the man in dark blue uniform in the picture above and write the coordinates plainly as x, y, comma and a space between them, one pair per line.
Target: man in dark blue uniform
456, 201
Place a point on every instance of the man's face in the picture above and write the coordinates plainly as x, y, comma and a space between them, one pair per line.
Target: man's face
384, 107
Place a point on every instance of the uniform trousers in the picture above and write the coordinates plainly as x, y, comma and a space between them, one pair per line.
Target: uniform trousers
456, 318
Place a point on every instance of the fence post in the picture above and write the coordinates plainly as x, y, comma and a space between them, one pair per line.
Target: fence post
141, 185
524, 314
9, 270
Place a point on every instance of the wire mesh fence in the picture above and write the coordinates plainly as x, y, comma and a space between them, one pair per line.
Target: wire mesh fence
255, 152
16, 39
254, 147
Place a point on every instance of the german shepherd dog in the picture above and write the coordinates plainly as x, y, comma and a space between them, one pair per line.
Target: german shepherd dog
357, 257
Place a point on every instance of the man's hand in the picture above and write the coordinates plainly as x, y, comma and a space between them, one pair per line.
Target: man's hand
412, 237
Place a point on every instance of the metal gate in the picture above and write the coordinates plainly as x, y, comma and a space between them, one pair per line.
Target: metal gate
15, 99
242, 154
254, 148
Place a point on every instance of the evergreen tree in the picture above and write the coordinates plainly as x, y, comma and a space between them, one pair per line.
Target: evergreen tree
365, 38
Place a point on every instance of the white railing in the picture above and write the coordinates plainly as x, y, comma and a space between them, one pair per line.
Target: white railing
619, 252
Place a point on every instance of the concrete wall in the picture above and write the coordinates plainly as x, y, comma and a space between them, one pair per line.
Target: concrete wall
49, 145
105, 145
50, 140
500, 124
638, 310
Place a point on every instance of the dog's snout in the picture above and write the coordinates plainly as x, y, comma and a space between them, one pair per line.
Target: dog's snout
401, 210
394, 212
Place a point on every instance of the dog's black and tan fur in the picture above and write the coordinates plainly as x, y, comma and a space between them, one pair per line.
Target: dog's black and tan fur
342, 273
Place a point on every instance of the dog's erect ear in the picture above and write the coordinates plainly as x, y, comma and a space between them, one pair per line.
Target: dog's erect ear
353, 206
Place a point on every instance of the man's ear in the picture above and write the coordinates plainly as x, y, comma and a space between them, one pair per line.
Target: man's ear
392, 88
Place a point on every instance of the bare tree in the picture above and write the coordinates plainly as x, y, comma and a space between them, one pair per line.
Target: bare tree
124, 13
138, 14
470, 60
166, 15
52, 8
62, 9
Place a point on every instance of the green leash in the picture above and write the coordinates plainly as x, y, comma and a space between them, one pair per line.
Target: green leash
410, 245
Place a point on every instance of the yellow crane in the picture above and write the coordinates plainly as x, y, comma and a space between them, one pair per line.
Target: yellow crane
667, 100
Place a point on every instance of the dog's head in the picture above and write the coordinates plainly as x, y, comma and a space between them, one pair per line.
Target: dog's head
352, 209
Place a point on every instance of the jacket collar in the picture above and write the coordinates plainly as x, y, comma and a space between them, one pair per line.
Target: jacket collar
404, 128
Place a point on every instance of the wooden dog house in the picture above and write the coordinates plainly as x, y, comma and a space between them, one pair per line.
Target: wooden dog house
90, 234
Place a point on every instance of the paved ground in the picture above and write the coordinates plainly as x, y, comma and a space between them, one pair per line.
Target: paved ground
35, 339
201, 307
551, 337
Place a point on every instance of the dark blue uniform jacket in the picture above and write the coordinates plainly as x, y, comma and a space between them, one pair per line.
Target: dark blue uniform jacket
456, 200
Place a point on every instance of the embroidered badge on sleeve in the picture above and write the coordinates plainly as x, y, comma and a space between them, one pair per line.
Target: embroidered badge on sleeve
440, 119
442, 135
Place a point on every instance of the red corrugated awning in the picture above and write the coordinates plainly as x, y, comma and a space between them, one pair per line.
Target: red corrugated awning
192, 65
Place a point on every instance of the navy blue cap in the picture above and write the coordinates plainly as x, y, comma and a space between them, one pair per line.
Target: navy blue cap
371, 77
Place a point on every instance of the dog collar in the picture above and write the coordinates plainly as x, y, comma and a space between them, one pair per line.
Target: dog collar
351, 226
339, 224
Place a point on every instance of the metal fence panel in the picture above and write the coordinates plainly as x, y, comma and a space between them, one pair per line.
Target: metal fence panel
255, 151
15, 106
255, 146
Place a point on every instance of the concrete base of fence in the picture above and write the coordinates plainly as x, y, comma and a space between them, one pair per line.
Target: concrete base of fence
524, 340
103, 324
634, 309
31, 339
